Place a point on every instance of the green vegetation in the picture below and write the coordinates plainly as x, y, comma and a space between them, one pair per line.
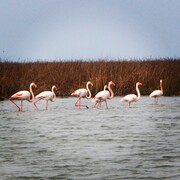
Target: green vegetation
71, 75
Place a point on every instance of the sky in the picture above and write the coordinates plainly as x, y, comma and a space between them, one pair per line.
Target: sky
89, 29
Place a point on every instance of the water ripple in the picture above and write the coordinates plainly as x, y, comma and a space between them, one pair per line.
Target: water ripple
65, 142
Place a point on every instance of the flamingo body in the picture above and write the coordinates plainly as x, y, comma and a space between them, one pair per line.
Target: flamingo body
23, 95
102, 95
46, 95
82, 93
132, 97
156, 93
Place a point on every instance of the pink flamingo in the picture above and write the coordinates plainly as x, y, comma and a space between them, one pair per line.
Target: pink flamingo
81, 93
132, 97
46, 95
23, 95
157, 93
103, 95
99, 102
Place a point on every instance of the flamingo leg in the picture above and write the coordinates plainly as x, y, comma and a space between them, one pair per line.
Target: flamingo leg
19, 108
156, 100
78, 103
106, 104
46, 104
128, 104
21, 105
95, 106
36, 102
98, 105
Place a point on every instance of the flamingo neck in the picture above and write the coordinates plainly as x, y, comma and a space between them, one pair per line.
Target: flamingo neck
54, 95
89, 92
105, 87
161, 87
111, 91
138, 92
32, 93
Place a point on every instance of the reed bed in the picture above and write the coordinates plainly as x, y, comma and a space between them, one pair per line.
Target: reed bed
71, 75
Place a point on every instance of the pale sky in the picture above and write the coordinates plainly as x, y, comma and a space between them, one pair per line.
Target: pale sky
89, 29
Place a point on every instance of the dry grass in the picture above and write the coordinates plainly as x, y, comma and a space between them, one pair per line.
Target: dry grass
70, 75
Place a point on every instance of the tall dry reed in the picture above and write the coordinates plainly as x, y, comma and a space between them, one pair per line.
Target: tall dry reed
71, 75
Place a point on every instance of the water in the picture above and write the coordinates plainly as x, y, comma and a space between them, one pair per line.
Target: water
64, 142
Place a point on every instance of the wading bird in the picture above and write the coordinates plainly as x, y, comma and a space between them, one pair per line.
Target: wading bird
157, 93
132, 97
82, 93
23, 95
102, 96
46, 95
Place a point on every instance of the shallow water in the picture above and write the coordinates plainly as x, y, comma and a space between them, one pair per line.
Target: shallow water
64, 142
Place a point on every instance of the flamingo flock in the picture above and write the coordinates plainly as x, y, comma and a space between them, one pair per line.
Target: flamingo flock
102, 96
25, 95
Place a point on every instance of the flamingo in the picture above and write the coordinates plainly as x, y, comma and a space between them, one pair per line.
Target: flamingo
81, 93
104, 95
99, 102
23, 95
46, 95
132, 97
157, 93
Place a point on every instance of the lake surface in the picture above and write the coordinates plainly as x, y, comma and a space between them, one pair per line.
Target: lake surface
64, 142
